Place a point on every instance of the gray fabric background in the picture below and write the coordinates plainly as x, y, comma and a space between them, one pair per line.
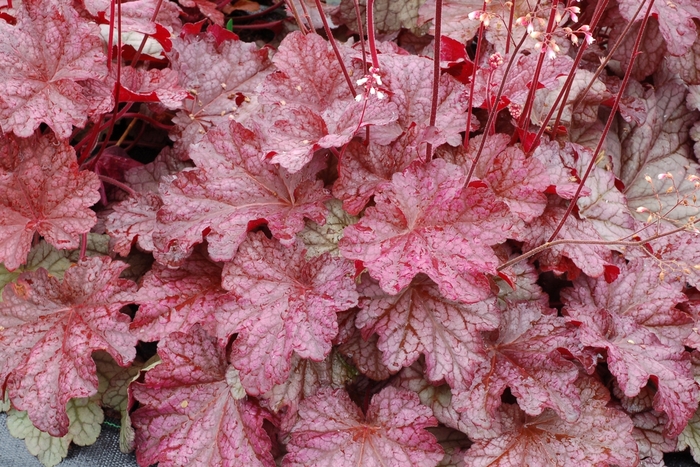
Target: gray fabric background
104, 453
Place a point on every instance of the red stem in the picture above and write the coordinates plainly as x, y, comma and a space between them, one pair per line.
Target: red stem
527, 108
118, 184
566, 89
477, 59
611, 118
436, 74
331, 39
370, 35
494, 111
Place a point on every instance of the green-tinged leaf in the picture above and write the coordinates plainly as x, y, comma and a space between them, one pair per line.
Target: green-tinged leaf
690, 437
42, 255
85, 424
324, 238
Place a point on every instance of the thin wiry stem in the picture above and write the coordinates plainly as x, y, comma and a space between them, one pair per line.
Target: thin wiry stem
611, 118
436, 73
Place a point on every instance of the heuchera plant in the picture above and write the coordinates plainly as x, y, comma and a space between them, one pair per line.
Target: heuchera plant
360, 232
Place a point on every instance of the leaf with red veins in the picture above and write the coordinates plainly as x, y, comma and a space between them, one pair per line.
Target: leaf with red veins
427, 221
230, 188
561, 167
523, 355
438, 398
589, 258
688, 65
173, 300
134, 220
518, 82
408, 79
305, 380
363, 353
332, 430
46, 61
514, 179
600, 436
605, 207
194, 411
135, 15
308, 74
49, 330
154, 85
364, 169
421, 321
652, 443
634, 355
652, 50
637, 294
223, 79
675, 21
287, 304
324, 238
661, 145
207, 8
389, 16
677, 258
522, 280
45, 193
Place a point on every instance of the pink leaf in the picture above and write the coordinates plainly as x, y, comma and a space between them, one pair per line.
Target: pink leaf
46, 60
231, 187
420, 321
426, 221
675, 21
518, 181
50, 328
364, 169
600, 436
635, 320
286, 305
173, 300
44, 193
333, 431
523, 355
223, 79
194, 411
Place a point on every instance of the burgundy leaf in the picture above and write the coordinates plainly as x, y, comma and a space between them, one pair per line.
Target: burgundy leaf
364, 169
641, 333
333, 431
44, 193
427, 221
286, 304
50, 328
194, 410
675, 21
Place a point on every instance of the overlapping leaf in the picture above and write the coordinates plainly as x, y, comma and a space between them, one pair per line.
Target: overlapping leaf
634, 320
427, 221
194, 410
223, 79
600, 436
420, 321
50, 329
523, 355
173, 300
45, 193
287, 304
230, 188
333, 431
52, 63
